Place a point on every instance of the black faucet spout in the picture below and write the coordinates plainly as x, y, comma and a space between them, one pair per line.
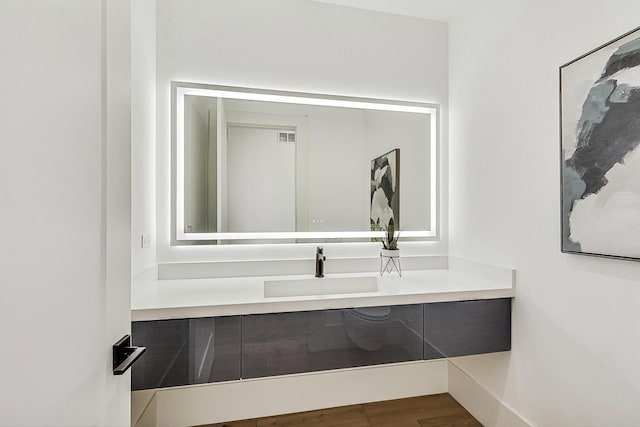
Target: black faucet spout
320, 259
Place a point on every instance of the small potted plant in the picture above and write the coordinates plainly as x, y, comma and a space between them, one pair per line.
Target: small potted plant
390, 240
389, 254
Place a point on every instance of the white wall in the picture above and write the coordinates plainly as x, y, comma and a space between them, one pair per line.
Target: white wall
331, 166
338, 185
326, 49
263, 171
64, 217
576, 341
143, 133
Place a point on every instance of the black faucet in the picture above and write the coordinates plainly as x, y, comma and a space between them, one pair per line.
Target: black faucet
320, 259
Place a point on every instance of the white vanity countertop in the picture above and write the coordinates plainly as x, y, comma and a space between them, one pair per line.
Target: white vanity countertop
189, 298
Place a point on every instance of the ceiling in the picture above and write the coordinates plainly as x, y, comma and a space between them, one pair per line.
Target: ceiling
439, 10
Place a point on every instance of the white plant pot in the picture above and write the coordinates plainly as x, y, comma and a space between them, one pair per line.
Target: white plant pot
389, 261
390, 253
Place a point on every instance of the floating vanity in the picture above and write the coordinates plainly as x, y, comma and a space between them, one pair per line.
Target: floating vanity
232, 328
221, 329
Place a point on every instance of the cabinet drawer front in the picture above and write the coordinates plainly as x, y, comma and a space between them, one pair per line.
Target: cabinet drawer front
211, 349
186, 351
467, 327
287, 343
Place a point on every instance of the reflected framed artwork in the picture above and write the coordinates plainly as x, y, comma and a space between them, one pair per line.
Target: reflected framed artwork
600, 150
385, 190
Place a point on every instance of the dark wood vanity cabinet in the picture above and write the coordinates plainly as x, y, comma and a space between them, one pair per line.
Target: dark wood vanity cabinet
212, 349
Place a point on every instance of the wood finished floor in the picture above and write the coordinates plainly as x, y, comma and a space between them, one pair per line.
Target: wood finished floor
439, 410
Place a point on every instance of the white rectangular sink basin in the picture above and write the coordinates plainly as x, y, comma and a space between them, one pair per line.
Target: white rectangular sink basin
319, 286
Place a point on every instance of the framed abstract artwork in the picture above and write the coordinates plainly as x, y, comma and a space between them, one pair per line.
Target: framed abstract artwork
600, 150
385, 189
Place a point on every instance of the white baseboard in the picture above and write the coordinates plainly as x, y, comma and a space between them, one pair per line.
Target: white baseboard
263, 397
254, 398
480, 402
149, 415
140, 401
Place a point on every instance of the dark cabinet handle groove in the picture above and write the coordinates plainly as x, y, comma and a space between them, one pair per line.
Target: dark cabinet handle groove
124, 355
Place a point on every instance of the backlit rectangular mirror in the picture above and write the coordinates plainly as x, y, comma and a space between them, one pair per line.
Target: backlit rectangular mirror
256, 165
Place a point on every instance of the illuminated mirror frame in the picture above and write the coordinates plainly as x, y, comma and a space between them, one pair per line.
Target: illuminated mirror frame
180, 89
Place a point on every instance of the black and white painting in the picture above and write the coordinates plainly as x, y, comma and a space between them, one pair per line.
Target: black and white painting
600, 138
385, 185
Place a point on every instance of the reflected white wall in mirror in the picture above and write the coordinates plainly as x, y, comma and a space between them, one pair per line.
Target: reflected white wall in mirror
252, 164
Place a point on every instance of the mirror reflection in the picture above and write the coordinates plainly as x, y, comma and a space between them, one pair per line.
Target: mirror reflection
299, 169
